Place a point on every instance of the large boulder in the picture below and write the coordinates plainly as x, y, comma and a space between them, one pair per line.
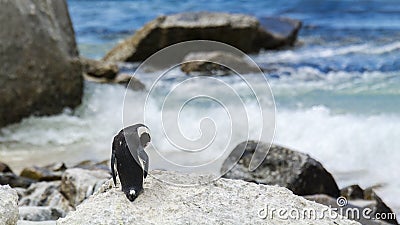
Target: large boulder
40, 72
223, 201
8, 206
284, 167
78, 184
241, 31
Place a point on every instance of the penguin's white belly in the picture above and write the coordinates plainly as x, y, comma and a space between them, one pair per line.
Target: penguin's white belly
142, 165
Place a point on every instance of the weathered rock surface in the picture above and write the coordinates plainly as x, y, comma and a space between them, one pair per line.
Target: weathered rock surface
216, 63
99, 68
241, 31
332, 202
15, 181
294, 170
284, 30
8, 205
40, 213
40, 71
45, 194
221, 202
78, 184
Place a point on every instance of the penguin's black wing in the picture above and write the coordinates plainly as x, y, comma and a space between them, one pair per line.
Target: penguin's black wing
113, 161
145, 158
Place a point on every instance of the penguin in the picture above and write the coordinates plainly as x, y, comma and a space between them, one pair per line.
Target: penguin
131, 159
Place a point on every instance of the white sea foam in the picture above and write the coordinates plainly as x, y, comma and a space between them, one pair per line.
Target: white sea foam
326, 52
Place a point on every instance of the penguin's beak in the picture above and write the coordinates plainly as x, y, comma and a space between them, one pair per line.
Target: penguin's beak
132, 195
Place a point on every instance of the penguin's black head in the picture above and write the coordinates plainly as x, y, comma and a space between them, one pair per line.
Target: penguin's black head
132, 194
139, 134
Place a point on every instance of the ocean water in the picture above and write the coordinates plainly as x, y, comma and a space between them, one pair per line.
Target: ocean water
337, 92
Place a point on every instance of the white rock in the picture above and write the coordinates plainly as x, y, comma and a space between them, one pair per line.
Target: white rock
26, 222
221, 202
45, 194
8, 205
40, 213
78, 184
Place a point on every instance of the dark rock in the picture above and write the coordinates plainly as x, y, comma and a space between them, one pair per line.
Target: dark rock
294, 170
130, 82
40, 213
4, 168
241, 31
45, 194
99, 68
14, 180
216, 63
78, 184
332, 202
284, 30
40, 71
378, 205
352, 192
41, 174
369, 198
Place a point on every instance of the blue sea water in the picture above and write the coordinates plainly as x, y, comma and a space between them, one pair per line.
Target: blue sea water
337, 91
358, 41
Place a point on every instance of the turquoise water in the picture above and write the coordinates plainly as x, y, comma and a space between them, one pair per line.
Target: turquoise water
337, 91
352, 49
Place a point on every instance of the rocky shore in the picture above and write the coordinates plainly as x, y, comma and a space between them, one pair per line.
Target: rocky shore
81, 193
51, 78
221, 202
